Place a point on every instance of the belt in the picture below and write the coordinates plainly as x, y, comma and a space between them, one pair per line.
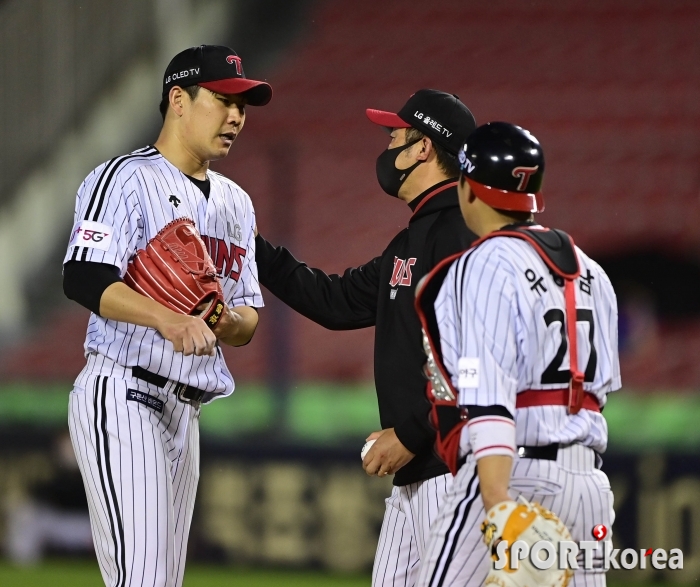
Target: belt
548, 452
185, 393
553, 397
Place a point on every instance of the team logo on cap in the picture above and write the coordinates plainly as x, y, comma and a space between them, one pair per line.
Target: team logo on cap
524, 173
235, 59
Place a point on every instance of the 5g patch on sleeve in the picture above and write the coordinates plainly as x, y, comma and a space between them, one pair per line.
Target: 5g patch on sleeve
143, 398
468, 376
93, 235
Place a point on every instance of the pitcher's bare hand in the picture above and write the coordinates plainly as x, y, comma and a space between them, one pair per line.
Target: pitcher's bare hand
190, 335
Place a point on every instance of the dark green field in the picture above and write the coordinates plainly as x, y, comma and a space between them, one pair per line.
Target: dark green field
77, 574
60, 574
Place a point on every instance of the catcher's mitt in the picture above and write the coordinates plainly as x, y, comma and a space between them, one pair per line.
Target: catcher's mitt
529, 522
176, 270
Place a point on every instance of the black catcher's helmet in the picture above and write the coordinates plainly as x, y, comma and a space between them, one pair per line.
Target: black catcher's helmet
504, 166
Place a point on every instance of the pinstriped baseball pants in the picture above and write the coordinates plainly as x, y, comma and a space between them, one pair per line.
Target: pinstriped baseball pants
410, 511
138, 451
571, 487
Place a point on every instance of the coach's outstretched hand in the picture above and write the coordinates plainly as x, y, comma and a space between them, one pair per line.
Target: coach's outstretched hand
387, 454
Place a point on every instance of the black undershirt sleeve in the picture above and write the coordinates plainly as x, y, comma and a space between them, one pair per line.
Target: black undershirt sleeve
336, 302
85, 282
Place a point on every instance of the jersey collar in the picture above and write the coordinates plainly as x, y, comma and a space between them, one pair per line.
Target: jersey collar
419, 204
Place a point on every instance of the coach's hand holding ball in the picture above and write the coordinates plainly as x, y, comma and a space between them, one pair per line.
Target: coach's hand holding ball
383, 453
365, 449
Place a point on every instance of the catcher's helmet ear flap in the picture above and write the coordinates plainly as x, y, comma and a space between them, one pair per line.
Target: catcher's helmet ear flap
504, 166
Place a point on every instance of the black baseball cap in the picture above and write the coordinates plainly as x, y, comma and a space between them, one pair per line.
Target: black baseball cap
215, 68
440, 116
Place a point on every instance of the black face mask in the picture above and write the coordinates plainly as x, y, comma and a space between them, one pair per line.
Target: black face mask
391, 179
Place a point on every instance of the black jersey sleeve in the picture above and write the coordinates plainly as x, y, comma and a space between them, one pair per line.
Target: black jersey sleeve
85, 282
415, 432
336, 302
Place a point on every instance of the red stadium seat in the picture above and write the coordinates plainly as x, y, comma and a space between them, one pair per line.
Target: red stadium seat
612, 90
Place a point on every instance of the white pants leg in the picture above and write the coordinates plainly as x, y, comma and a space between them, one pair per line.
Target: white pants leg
410, 511
577, 492
571, 487
185, 475
140, 465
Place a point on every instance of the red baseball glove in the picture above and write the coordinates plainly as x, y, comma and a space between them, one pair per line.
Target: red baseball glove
176, 270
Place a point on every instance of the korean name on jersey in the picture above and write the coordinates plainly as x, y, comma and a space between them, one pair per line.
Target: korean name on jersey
124, 203
500, 314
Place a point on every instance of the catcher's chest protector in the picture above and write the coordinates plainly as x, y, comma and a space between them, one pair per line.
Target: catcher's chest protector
556, 248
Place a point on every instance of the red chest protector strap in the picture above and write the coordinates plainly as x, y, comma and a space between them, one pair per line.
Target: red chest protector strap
445, 415
556, 248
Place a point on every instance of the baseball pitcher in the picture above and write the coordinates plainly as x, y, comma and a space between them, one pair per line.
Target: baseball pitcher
163, 254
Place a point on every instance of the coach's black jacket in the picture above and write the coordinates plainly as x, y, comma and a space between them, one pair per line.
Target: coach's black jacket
381, 293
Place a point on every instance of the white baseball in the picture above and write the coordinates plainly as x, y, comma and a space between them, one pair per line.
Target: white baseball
366, 447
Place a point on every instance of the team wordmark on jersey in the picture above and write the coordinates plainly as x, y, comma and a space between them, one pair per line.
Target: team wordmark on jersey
228, 258
92, 234
402, 272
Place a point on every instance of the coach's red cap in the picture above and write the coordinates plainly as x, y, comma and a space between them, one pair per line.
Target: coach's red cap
216, 68
441, 116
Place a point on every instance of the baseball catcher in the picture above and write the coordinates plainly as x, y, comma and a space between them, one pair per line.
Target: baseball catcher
521, 334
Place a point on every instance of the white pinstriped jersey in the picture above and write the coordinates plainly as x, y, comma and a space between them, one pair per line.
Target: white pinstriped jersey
124, 203
501, 320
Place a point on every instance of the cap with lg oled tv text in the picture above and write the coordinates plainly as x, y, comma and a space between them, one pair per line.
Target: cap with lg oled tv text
440, 116
215, 68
